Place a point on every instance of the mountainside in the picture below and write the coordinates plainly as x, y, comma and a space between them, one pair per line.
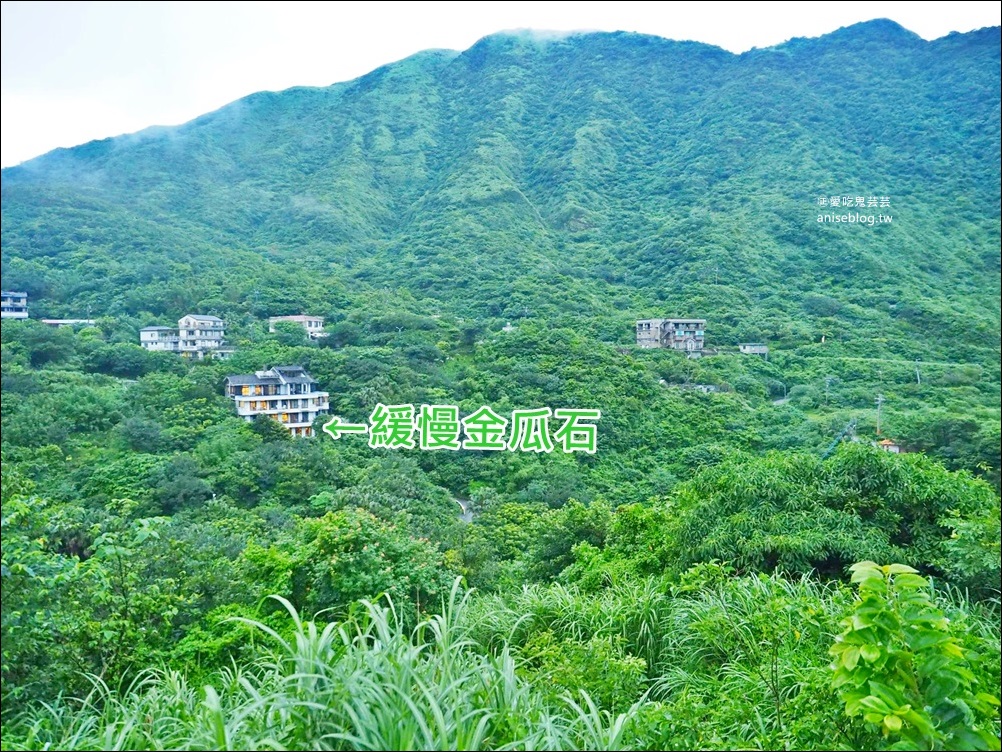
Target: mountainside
728, 552
589, 180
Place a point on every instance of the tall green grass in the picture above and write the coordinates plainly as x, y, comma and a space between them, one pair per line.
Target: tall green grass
735, 662
729, 661
362, 684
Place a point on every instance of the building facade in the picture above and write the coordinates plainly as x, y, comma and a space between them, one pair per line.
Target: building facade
159, 338
13, 305
162, 338
199, 334
287, 394
649, 332
673, 334
195, 336
314, 325
754, 348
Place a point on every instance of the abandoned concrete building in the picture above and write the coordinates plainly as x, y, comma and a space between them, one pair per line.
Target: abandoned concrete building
754, 348
673, 334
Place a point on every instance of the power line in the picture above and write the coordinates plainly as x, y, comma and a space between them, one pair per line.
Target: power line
847, 431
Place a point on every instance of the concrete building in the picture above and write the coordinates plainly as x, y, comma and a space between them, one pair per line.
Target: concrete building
195, 336
159, 338
13, 305
314, 325
649, 332
199, 334
754, 348
285, 393
673, 334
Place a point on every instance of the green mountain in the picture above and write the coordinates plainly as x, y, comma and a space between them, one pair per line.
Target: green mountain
722, 572
585, 180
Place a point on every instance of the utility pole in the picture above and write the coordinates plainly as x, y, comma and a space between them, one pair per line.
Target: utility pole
879, 401
918, 374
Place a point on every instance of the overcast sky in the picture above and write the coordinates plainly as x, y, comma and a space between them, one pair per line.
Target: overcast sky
73, 72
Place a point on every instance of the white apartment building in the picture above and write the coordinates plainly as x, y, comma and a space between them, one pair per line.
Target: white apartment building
159, 338
195, 336
199, 334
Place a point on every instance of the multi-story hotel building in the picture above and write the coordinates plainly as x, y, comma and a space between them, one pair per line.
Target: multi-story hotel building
286, 393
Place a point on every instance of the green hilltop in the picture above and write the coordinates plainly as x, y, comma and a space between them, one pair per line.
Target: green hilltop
593, 178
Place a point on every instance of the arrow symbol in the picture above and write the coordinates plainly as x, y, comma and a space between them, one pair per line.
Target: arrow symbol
335, 427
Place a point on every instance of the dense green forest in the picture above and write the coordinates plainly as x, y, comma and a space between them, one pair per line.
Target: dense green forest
739, 567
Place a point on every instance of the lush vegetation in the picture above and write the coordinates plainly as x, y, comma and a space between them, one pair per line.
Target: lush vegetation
730, 569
